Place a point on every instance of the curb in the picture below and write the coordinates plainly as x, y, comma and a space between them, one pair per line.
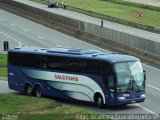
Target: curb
3, 78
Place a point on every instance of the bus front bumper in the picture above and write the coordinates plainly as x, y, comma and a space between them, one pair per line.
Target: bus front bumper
120, 99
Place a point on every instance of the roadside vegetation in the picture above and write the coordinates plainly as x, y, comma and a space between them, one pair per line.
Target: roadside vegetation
125, 2
121, 11
32, 108
3, 65
117, 9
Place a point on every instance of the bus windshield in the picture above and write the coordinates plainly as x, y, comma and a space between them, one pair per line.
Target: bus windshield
130, 76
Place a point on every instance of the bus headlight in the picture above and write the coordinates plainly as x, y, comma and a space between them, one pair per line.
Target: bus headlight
121, 98
143, 96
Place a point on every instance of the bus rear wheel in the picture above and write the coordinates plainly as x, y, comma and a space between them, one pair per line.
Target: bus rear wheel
38, 91
99, 101
28, 90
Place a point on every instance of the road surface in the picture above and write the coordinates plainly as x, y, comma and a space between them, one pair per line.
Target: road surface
4, 88
22, 32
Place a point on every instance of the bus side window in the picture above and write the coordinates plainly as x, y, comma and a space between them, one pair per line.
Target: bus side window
43, 64
55, 62
107, 74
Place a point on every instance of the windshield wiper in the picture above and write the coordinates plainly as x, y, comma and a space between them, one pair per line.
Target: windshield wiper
136, 85
130, 85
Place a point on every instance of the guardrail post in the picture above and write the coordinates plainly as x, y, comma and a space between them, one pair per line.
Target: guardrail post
6, 45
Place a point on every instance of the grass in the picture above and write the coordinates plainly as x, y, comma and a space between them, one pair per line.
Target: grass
129, 3
125, 12
19, 103
32, 108
3, 65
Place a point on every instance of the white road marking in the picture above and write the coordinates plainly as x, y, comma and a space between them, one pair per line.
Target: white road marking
153, 87
40, 37
3, 81
25, 45
1, 32
11, 37
148, 110
24, 30
59, 46
19, 43
152, 67
12, 25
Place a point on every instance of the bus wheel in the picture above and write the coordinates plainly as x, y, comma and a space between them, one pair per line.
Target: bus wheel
29, 90
38, 91
99, 101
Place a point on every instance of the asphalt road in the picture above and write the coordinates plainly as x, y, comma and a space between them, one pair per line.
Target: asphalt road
4, 88
26, 33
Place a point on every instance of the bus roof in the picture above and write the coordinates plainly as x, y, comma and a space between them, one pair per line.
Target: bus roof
77, 53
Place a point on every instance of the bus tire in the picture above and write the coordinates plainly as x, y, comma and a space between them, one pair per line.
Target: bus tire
38, 91
28, 90
99, 101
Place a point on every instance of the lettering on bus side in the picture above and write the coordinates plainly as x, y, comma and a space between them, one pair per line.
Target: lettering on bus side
64, 77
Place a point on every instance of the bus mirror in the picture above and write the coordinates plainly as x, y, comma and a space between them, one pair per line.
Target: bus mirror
6, 45
144, 72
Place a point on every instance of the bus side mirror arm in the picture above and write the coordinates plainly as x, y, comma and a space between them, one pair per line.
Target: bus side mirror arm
144, 73
115, 77
115, 81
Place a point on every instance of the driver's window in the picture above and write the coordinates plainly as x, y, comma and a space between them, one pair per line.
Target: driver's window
43, 65
111, 82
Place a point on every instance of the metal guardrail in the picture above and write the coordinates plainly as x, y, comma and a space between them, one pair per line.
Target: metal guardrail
109, 18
